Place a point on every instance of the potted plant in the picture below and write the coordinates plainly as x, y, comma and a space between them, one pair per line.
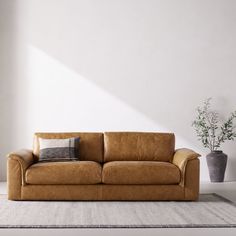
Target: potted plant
212, 135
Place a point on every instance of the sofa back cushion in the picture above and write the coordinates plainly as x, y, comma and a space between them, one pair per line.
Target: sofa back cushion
90, 144
138, 146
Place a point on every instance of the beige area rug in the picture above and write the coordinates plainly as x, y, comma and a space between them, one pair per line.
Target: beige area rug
211, 211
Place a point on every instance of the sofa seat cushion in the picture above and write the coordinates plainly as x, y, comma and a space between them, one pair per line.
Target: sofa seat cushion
77, 172
140, 172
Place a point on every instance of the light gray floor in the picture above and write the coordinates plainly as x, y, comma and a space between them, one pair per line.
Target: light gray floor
226, 189
3, 188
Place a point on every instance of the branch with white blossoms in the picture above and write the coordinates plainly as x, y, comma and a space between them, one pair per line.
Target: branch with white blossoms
208, 130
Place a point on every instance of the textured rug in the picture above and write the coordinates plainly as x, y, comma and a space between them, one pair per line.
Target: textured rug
210, 211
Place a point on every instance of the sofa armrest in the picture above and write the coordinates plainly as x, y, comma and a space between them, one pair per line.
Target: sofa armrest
24, 158
181, 158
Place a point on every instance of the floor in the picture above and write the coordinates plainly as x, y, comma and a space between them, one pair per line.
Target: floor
226, 189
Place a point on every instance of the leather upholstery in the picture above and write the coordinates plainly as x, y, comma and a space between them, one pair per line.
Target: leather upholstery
14, 179
181, 158
137, 146
191, 185
140, 172
17, 164
62, 192
103, 192
24, 158
142, 192
73, 172
90, 146
139, 166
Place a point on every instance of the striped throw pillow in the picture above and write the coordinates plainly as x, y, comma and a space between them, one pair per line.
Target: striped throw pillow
59, 149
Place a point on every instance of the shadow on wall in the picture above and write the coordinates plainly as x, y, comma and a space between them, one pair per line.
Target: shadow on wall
61, 99
143, 52
8, 71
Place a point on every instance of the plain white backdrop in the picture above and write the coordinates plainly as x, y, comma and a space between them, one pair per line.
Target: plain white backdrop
100, 65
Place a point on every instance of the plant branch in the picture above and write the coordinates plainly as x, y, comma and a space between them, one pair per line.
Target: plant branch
208, 130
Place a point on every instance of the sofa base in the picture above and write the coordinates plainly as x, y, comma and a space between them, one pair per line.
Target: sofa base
103, 192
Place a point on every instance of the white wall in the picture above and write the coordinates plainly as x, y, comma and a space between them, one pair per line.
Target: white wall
96, 65
8, 71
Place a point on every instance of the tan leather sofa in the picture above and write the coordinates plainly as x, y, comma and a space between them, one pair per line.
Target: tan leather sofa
113, 166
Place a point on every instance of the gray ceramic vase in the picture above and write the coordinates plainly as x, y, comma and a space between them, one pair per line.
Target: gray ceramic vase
216, 162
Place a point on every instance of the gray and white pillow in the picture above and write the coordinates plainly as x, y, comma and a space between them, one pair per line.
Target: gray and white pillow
59, 149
